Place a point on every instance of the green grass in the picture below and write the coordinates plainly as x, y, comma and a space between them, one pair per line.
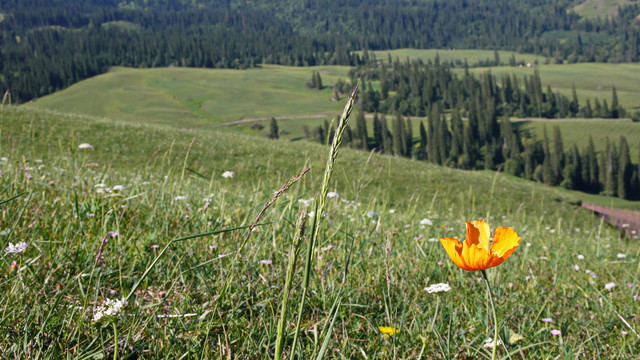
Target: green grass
125, 25
592, 80
472, 56
49, 300
187, 97
2, 16
578, 132
600, 8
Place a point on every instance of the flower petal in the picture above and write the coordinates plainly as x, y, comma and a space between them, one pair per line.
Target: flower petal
478, 232
476, 257
505, 242
454, 249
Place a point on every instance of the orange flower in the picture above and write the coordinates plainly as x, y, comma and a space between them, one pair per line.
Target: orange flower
475, 254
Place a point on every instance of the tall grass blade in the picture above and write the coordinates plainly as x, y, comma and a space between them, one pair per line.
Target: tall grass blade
328, 172
300, 226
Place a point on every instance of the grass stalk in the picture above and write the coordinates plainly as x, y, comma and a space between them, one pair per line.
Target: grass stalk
495, 317
328, 172
300, 227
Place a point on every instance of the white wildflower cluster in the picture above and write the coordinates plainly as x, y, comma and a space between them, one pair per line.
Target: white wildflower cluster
488, 344
85, 146
333, 194
436, 288
17, 248
426, 221
372, 214
110, 308
228, 174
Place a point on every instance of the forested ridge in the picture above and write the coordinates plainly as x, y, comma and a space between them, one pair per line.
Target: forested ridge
48, 45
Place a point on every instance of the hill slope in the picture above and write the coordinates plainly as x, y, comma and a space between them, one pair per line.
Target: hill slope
151, 184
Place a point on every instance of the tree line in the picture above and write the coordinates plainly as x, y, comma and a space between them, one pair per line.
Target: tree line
411, 88
452, 142
49, 44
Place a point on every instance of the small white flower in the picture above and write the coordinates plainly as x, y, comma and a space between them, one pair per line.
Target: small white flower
622, 256
591, 273
4, 159
528, 244
180, 198
17, 248
392, 211
110, 308
265, 262
333, 194
372, 214
228, 174
118, 188
609, 286
101, 185
576, 267
488, 344
426, 221
580, 257
436, 288
85, 146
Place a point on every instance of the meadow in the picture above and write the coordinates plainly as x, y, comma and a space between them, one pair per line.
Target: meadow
458, 56
97, 201
600, 8
189, 97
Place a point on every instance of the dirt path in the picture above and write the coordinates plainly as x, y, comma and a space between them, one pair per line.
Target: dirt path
626, 221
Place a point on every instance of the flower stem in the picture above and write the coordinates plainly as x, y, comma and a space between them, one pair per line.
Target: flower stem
495, 317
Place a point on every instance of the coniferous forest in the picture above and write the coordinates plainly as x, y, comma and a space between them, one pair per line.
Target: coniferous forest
48, 45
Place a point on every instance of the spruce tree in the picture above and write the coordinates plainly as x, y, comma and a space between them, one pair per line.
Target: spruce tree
273, 129
377, 133
387, 139
615, 106
361, 130
398, 136
625, 170
422, 153
409, 138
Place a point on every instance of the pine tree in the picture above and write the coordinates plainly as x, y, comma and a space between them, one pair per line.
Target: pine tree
615, 106
457, 134
387, 139
408, 138
625, 170
594, 171
469, 149
398, 136
548, 172
361, 130
422, 152
273, 129
557, 158
377, 133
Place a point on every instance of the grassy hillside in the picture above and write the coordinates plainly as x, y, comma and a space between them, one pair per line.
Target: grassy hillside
171, 186
578, 132
472, 56
600, 8
196, 97
192, 97
591, 80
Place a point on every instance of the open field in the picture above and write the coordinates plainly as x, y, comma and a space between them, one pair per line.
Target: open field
577, 132
171, 186
472, 56
187, 97
592, 80
600, 8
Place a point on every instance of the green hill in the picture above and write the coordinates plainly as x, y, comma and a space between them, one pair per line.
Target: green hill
154, 183
187, 97
600, 8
